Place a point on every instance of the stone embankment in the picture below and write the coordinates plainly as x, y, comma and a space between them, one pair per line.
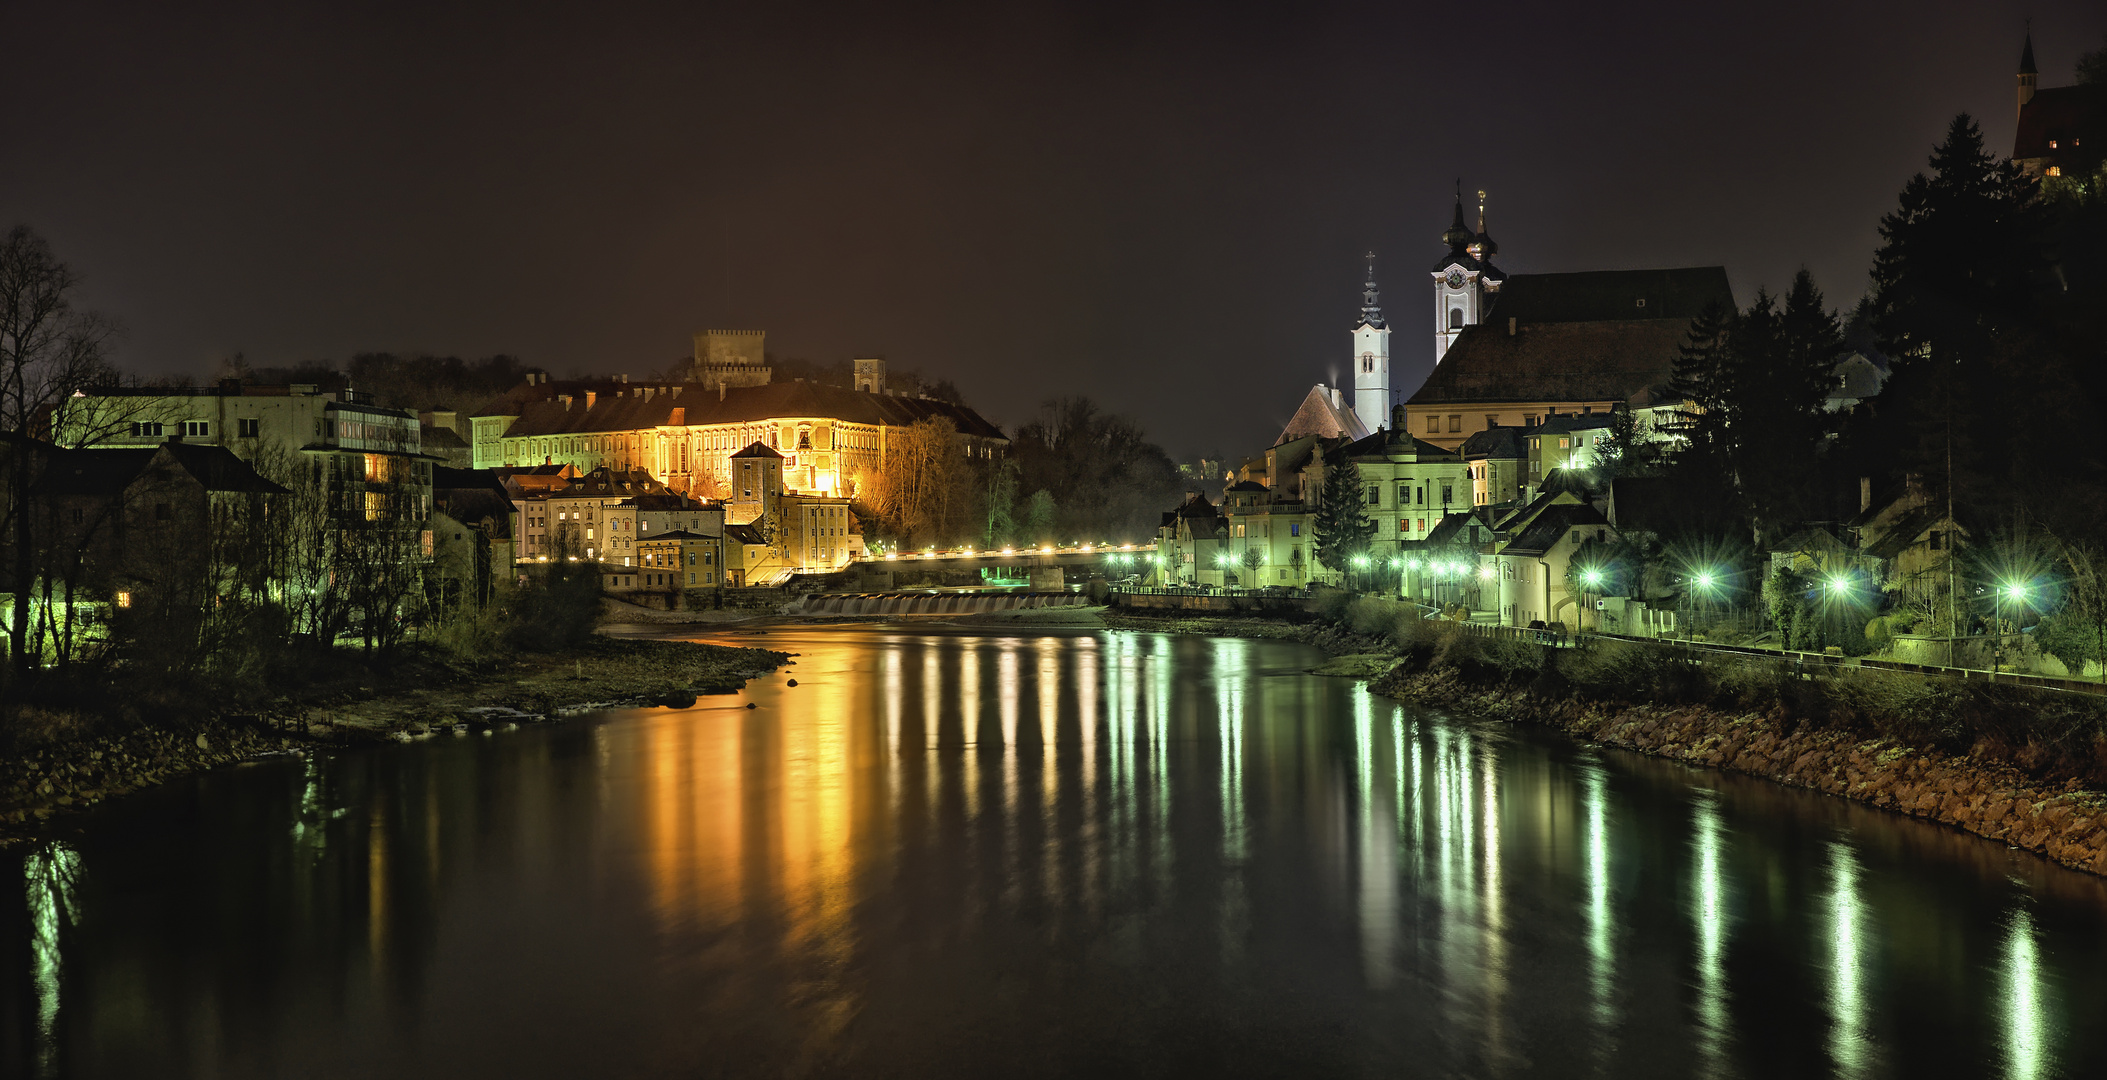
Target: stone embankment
2065, 822
71, 772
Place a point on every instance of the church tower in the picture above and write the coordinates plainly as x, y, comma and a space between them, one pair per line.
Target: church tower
2027, 74
1465, 280
1371, 358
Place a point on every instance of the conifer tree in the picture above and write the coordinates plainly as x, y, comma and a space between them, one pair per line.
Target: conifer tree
1963, 257
1343, 528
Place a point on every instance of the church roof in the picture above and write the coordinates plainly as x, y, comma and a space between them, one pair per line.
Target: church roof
632, 408
1554, 362
2068, 115
1597, 335
1613, 295
1318, 416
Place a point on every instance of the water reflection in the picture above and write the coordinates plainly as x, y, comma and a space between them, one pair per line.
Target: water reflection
1113, 853
1849, 1046
2026, 1035
49, 875
1708, 912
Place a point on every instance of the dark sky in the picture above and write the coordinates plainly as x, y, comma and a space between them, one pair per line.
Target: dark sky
1161, 207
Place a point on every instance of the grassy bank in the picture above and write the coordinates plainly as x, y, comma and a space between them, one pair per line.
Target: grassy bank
63, 761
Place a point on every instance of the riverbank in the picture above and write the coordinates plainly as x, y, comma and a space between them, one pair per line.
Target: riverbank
2010, 764
2064, 821
62, 776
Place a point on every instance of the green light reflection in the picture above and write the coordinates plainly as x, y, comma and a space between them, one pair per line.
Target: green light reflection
1850, 1044
1602, 944
1708, 913
49, 878
2026, 1017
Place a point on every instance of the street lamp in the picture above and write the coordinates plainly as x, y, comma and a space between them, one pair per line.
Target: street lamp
2016, 592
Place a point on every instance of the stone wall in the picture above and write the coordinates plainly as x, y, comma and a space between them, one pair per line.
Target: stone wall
2065, 822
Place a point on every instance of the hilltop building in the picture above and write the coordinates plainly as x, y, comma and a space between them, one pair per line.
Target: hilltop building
2063, 130
685, 434
1517, 350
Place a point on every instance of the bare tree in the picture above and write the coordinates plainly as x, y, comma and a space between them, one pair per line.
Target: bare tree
47, 351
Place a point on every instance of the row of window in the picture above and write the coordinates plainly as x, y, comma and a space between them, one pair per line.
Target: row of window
249, 428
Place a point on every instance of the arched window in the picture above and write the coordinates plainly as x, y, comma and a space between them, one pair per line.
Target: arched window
1455, 318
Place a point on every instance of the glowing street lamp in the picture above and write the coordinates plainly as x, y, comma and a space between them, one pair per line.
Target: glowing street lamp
2015, 592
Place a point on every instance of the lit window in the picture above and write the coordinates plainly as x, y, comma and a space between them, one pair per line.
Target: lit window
2052, 144
124, 599
2055, 170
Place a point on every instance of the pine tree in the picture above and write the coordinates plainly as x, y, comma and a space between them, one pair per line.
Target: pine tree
1343, 528
1963, 257
1701, 383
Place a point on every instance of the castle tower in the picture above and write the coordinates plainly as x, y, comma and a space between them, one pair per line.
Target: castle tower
731, 358
1371, 353
870, 375
2027, 73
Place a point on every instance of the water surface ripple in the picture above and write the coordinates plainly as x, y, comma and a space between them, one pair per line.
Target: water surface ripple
1034, 855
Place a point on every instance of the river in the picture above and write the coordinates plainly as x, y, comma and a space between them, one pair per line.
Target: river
979, 854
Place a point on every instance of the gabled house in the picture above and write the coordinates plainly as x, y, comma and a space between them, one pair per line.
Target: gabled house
1534, 564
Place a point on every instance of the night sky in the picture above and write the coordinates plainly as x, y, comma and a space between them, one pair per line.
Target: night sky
1162, 208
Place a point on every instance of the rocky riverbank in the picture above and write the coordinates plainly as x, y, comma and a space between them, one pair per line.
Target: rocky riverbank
2066, 822
46, 783
2064, 819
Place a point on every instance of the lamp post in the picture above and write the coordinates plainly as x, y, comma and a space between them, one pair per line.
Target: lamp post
1840, 591
1592, 578
2017, 593
1705, 581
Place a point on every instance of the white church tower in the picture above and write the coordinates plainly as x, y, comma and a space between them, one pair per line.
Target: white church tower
1465, 280
1371, 359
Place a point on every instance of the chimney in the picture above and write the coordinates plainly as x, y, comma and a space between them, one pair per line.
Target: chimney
566, 399
1865, 494
623, 378
679, 417
590, 397
1510, 325
720, 391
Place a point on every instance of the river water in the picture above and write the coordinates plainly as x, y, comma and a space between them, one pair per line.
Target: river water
949, 854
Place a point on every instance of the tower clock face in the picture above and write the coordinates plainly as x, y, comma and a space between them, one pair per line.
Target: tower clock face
1455, 278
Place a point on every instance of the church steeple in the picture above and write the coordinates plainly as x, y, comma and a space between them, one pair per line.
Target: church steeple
1459, 235
1371, 305
2027, 74
1484, 247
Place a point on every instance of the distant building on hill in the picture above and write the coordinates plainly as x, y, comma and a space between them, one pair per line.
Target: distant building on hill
2062, 131
684, 434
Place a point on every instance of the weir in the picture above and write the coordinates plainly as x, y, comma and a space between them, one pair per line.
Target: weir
933, 603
